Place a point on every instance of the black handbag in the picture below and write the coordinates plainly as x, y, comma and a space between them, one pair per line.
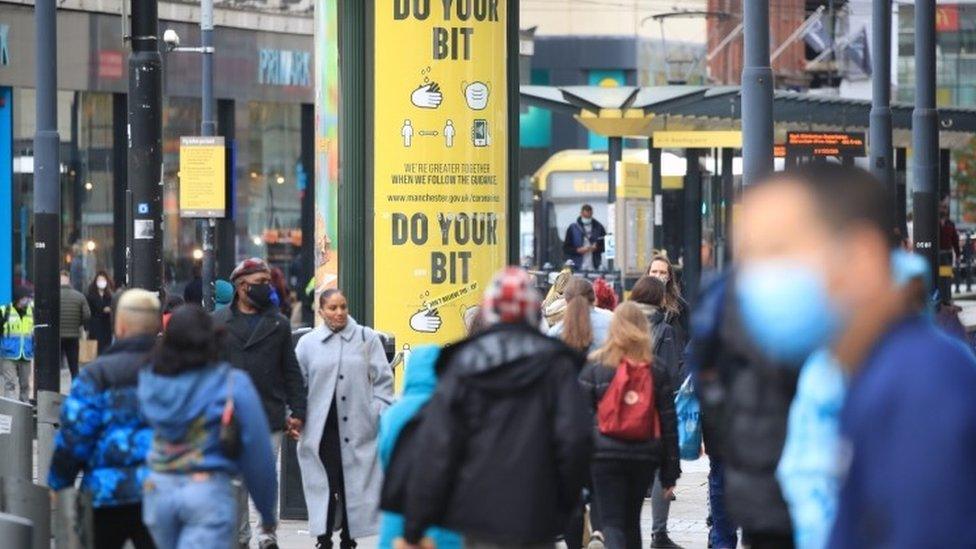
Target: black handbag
230, 428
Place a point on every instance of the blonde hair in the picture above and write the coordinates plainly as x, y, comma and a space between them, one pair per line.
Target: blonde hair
138, 311
629, 337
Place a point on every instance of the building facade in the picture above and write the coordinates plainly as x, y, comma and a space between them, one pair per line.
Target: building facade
264, 91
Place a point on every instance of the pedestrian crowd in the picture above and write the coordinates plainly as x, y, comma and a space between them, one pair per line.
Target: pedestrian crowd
833, 410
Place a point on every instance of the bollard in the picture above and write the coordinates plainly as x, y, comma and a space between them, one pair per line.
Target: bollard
16, 439
25, 499
48, 412
15, 531
291, 496
73, 527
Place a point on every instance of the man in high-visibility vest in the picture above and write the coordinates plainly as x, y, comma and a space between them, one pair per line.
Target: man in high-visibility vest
17, 344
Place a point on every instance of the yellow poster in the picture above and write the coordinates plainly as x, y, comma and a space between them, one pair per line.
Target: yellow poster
202, 179
439, 163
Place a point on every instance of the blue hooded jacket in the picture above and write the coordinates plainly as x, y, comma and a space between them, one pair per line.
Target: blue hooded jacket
419, 383
101, 430
184, 411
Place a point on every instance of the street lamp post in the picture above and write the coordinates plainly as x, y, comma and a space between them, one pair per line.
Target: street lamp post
47, 204
47, 235
757, 93
882, 165
145, 149
208, 127
925, 138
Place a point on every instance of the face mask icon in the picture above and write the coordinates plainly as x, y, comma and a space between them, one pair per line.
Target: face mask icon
476, 95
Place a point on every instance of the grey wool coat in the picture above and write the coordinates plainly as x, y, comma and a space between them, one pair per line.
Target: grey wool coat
351, 366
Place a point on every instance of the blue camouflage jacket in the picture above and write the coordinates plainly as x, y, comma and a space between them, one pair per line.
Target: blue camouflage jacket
102, 432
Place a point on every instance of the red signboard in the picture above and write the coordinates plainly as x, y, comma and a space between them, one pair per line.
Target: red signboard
110, 64
947, 18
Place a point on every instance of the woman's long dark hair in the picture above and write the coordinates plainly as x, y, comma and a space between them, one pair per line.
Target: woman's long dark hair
577, 330
649, 291
189, 343
93, 288
673, 303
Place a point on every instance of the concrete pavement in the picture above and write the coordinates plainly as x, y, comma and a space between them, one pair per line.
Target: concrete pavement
687, 522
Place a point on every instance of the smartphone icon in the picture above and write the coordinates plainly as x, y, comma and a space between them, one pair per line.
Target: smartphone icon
479, 133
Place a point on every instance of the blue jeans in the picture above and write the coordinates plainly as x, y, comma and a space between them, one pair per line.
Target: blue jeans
184, 511
723, 532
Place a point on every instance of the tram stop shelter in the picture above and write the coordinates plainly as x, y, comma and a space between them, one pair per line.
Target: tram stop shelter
702, 118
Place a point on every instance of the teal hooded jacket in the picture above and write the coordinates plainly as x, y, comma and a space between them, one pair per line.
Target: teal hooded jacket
419, 385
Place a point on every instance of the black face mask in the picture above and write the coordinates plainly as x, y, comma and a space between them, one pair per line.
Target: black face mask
260, 295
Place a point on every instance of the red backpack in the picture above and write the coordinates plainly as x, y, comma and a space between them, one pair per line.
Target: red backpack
627, 409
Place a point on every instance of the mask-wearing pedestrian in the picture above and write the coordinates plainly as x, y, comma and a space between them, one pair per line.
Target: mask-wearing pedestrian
260, 295
258, 292
786, 306
660, 269
809, 257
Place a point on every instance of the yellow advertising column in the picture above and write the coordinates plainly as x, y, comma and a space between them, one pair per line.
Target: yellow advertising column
440, 162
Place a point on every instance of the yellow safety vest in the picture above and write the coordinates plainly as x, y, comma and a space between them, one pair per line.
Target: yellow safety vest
18, 334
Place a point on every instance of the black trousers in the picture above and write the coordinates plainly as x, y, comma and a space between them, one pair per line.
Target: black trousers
69, 348
573, 536
619, 486
768, 540
116, 525
330, 452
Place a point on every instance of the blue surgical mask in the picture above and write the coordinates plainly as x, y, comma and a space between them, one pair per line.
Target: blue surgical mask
785, 308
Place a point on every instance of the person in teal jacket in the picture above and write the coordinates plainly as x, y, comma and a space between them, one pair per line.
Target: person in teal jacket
419, 383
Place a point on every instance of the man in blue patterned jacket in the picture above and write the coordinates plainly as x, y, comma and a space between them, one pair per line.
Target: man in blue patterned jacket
102, 431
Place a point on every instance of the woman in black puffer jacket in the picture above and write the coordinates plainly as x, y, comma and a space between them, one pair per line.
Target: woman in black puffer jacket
622, 469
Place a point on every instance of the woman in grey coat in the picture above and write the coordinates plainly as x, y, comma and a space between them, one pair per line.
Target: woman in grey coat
350, 384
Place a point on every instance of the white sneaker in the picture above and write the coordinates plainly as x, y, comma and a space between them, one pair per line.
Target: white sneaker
596, 541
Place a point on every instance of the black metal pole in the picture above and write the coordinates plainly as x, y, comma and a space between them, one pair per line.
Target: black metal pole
514, 208
145, 148
757, 93
119, 176
47, 205
901, 193
307, 271
208, 126
615, 153
691, 272
728, 201
925, 138
654, 157
882, 165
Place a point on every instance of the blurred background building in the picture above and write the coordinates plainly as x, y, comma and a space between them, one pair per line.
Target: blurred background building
264, 90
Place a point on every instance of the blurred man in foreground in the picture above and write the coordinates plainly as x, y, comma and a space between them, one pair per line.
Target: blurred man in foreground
815, 269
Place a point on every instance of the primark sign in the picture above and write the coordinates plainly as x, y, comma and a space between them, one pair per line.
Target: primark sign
285, 68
